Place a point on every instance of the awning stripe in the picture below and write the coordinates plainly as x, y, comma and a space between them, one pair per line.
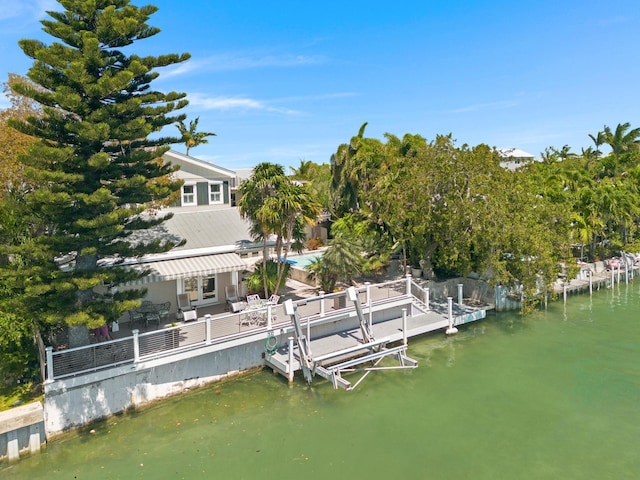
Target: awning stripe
203, 265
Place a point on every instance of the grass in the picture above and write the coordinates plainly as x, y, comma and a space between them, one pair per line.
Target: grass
15, 395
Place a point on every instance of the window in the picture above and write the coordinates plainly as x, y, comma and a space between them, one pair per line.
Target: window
188, 195
215, 193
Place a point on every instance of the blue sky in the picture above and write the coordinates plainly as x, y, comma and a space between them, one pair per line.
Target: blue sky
284, 81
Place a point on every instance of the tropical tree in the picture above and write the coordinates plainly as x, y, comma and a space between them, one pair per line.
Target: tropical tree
278, 208
12, 142
598, 139
94, 162
190, 136
622, 139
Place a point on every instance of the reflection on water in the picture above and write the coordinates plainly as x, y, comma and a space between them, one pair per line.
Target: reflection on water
550, 395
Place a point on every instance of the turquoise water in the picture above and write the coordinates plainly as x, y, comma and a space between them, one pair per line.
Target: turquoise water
302, 261
555, 395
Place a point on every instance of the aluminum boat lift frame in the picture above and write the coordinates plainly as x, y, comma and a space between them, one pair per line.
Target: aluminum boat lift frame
375, 352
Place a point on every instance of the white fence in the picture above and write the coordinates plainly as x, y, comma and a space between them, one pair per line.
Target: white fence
209, 330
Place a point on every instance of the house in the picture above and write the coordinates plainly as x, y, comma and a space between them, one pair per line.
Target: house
218, 246
514, 158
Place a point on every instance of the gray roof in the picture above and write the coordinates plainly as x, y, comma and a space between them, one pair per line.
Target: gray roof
222, 229
208, 228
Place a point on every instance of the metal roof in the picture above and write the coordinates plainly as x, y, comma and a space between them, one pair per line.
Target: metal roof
207, 228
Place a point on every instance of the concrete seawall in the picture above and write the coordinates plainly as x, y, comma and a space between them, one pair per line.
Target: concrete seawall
78, 401
21, 431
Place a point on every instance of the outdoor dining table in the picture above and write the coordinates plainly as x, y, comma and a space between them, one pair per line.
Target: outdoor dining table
256, 313
150, 312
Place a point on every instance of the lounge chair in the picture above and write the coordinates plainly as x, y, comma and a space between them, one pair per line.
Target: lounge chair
231, 295
186, 311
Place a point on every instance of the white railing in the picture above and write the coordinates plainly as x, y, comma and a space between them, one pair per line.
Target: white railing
211, 330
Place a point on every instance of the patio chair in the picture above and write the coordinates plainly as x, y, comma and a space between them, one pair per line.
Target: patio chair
135, 315
185, 310
274, 299
253, 299
163, 311
231, 294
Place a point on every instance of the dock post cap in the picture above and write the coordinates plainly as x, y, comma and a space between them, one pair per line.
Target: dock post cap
288, 307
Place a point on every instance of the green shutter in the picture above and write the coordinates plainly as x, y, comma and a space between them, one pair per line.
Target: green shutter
225, 192
202, 191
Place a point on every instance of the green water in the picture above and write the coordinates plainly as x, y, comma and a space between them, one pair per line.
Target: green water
555, 395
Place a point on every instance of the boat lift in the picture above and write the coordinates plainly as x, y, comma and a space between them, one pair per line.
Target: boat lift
331, 366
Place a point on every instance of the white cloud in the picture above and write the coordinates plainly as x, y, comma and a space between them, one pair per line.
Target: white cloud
28, 10
240, 61
204, 102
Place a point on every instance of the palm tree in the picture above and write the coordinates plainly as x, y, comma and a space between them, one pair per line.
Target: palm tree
275, 206
191, 137
304, 171
598, 140
622, 140
343, 258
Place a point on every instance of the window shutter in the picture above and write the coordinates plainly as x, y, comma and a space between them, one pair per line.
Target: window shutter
225, 193
203, 193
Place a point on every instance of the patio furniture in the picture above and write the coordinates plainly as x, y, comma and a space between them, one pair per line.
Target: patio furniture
150, 313
274, 299
135, 315
185, 308
238, 306
253, 299
189, 315
163, 311
231, 294
253, 316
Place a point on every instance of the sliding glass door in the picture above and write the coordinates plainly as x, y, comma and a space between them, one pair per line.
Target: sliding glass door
201, 290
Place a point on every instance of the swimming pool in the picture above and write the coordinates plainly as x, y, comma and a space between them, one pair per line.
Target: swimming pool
302, 261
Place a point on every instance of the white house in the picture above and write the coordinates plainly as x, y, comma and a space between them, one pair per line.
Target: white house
217, 240
514, 158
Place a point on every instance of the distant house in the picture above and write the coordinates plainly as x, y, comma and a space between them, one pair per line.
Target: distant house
514, 158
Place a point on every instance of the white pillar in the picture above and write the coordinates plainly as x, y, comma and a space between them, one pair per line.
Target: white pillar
321, 294
290, 367
269, 308
49, 351
427, 291
590, 282
451, 330
136, 346
564, 292
207, 328
460, 296
404, 326
408, 284
34, 439
13, 449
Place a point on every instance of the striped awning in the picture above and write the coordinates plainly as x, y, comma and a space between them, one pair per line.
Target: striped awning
201, 266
